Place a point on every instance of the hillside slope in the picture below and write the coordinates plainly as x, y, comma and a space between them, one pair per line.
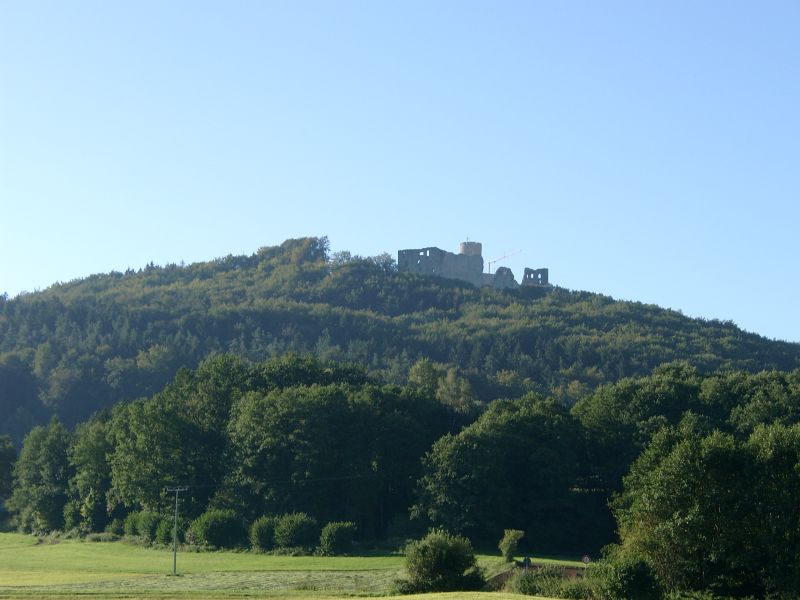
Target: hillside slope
77, 347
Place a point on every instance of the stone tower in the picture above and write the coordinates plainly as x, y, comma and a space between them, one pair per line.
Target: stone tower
470, 249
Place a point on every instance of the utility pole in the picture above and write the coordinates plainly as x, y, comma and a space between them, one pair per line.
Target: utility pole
177, 490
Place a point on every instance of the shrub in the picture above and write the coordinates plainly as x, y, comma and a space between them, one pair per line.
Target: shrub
441, 562
579, 588
620, 578
508, 545
131, 525
337, 537
116, 527
296, 529
147, 524
72, 515
164, 531
69, 534
218, 528
546, 581
262, 533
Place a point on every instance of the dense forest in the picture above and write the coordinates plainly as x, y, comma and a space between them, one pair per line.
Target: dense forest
292, 388
700, 471
81, 346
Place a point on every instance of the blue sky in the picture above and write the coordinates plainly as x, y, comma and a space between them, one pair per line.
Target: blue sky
645, 150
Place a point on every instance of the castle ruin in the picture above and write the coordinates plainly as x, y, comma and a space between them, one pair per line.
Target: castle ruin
467, 265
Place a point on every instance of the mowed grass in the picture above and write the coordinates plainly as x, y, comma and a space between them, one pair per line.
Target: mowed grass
29, 552
34, 568
29, 566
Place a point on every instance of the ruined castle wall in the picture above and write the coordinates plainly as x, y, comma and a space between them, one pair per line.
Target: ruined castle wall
435, 261
465, 266
460, 266
503, 279
422, 261
535, 277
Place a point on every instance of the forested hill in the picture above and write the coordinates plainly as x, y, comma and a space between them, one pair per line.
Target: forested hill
77, 347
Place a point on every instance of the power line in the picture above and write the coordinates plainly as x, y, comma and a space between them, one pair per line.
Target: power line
177, 489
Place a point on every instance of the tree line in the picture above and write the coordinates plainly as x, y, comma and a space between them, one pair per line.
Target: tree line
693, 475
82, 346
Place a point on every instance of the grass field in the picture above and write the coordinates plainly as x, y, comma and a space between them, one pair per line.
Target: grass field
33, 568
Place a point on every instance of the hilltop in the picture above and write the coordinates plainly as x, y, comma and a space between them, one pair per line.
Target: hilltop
81, 346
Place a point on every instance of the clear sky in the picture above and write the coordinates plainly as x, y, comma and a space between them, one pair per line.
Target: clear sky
645, 150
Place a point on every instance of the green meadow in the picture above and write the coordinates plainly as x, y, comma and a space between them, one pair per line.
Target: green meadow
33, 567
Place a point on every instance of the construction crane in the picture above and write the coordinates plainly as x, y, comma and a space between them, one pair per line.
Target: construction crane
489, 263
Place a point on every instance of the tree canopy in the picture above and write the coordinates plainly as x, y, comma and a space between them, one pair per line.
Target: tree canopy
84, 345
713, 512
